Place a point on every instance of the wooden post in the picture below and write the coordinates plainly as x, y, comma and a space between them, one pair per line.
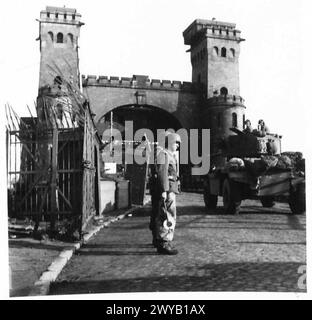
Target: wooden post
8, 149
54, 178
97, 180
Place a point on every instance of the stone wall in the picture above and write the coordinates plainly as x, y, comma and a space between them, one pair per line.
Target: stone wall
175, 97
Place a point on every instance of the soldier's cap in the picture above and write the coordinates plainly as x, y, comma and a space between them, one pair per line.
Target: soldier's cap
172, 136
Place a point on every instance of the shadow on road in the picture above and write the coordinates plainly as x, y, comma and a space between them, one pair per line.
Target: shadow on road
116, 249
115, 245
16, 243
116, 253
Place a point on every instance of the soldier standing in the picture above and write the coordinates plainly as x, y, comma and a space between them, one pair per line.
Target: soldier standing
262, 128
248, 128
165, 187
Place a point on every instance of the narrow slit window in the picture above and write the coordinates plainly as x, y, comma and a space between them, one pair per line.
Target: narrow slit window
50, 36
70, 38
234, 120
216, 51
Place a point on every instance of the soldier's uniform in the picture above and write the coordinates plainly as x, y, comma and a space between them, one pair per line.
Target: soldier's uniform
163, 218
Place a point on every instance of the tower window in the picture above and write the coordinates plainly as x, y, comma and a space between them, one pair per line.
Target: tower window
59, 37
48, 14
216, 51
58, 80
224, 91
232, 52
70, 38
73, 17
234, 120
223, 52
50, 36
65, 16
56, 15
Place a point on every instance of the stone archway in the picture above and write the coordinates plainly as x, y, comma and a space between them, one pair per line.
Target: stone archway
143, 116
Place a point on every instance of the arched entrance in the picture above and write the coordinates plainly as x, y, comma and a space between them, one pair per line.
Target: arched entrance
142, 117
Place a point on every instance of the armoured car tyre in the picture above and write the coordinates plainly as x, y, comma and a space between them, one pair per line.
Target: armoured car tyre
231, 197
209, 199
267, 202
297, 200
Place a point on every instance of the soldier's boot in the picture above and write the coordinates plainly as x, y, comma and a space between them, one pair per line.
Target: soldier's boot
155, 242
166, 247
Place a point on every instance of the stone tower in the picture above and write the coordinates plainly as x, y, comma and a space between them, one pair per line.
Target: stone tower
59, 30
215, 49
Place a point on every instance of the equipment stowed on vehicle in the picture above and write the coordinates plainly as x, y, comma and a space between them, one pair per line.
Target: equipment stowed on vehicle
254, 168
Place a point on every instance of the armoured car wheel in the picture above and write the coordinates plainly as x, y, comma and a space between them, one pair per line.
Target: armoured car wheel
210, 200
267, 202
297, 199
231, 197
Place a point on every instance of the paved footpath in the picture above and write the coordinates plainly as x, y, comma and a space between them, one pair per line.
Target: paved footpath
258, 250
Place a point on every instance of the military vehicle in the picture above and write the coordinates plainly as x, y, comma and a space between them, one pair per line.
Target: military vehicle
253, 167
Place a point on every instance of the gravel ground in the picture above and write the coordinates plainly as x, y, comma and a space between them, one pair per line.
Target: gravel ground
28, 259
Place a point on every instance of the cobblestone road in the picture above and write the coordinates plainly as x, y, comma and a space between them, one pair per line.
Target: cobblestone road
259, 250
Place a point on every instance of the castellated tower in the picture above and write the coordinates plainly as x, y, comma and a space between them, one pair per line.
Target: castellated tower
59, 32
215, 48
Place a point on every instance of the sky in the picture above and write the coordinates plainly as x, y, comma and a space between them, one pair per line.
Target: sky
122, 38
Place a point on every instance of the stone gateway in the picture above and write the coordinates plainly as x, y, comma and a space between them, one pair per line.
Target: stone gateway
210, 101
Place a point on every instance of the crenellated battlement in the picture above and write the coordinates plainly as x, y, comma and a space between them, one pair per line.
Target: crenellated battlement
137, 81
211, 29
60, 15
228, 99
